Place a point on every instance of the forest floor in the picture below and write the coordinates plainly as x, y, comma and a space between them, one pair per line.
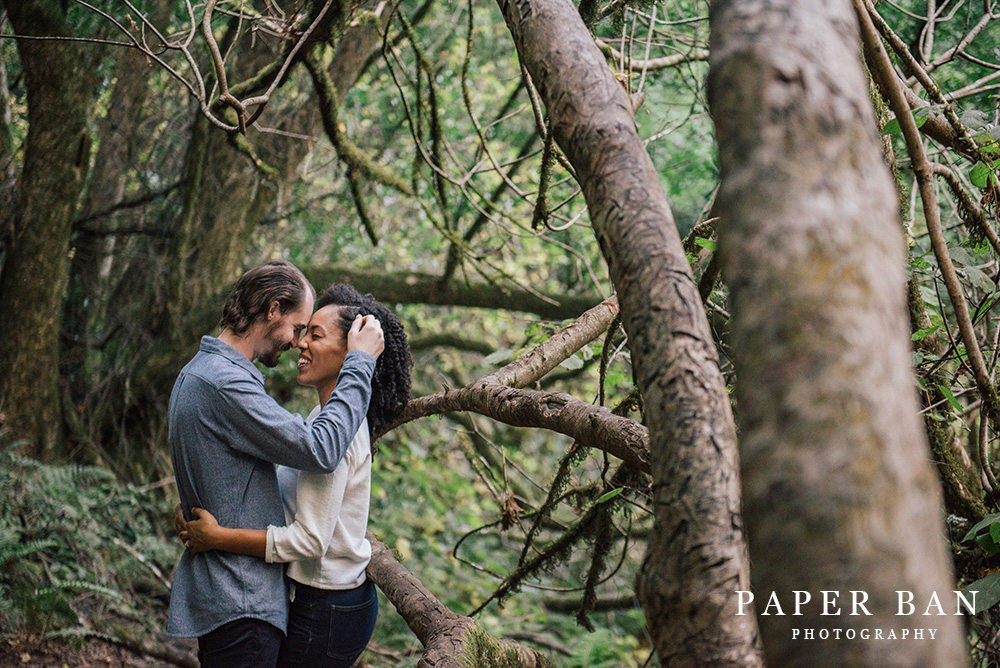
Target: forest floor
37, 652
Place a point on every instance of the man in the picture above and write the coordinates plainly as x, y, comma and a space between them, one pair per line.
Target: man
225, 436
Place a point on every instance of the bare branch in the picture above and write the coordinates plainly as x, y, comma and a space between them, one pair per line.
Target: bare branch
499, 396
556, 349
651, 63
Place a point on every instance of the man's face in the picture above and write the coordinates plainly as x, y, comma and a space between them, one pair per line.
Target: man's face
283, 331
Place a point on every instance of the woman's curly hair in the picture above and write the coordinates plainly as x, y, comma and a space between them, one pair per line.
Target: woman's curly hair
391, 380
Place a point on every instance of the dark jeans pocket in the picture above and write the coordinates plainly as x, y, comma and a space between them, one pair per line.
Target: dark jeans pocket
351, 625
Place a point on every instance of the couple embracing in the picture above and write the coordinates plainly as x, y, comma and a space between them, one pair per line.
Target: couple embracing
261, 487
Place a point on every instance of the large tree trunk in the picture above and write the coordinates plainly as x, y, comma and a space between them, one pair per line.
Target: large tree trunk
59, 78
839, 494
696, 556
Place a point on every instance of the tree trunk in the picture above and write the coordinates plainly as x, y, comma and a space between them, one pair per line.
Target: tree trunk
839, 494
696, 556
58, 78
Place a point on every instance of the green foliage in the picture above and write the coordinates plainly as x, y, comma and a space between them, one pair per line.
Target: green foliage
987, 592
893, 128
63, 532
986, 534
982, 175
601, 649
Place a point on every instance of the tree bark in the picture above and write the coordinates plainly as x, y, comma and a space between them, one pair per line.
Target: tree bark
592, 426
443, 633
697, 555
839, 494
500, 396
58, 78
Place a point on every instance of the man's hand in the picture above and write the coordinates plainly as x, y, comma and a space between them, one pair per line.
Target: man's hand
200, 532
366, 335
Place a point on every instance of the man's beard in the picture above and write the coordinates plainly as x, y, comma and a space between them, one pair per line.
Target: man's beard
271, 357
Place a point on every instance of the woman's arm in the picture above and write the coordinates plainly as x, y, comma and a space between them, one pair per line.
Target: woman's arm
319, 501
204, 533
319, 498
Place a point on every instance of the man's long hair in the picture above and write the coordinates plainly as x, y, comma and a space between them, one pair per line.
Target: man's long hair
252, 296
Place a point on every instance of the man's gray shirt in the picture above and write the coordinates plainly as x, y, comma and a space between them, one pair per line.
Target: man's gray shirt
226, 433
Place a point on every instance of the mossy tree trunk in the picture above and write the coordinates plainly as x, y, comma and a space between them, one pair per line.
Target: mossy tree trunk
59, 77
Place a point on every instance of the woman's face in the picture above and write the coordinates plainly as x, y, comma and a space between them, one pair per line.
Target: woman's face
322, 349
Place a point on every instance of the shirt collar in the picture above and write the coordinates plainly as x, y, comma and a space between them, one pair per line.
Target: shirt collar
210, 344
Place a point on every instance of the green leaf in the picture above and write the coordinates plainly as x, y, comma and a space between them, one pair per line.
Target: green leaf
974, 118
893, 128
983, 523
928, 110
707, 243
988, 544
928, 295
987, 591
980, 174
922, 334
610, 495
499, 356
981, 280
995, 532
946, 391
961, 256
572, 363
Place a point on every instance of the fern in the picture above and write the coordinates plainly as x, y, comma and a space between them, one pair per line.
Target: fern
20, 550
78, 586
60, 532
82, 633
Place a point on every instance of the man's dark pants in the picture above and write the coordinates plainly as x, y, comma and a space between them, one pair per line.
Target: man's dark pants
241, 643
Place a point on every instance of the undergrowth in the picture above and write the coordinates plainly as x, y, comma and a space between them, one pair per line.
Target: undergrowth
79, 548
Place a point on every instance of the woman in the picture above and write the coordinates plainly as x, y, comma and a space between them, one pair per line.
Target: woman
333, 604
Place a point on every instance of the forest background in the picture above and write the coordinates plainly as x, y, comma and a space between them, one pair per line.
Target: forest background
601, 241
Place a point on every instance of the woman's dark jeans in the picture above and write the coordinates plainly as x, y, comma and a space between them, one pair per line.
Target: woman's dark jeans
328, 627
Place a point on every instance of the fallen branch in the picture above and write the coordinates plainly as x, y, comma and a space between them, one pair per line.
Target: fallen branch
445, 634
